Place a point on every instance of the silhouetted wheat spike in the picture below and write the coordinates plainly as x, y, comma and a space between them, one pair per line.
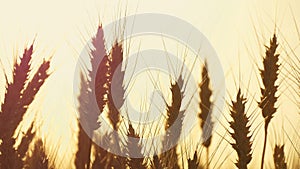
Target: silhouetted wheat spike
194, 163
134, 149
107, 69
82, 159
279, 158
173, 110
156, 164
33, 87
16, 102
205, 111
94, 85
269, 75
38, 158
168, 159
100, 77
241, 131
100, 158
114, 104
26, 140
173, 127
110, 160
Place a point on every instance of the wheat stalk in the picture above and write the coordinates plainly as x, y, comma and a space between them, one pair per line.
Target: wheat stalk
194, 163
173, 126
102, 157
241, 133
269, 75
99, 73
38, 159
205, 111
18, 97
115, 104
82, 156
279, 158
25, 142
107, 70
156, 163
134, 149
173, 110
89, 118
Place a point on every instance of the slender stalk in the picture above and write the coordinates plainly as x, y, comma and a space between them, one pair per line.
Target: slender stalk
264, 148
207, 157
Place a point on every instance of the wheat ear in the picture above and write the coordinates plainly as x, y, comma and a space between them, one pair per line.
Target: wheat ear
279, 158
205, 116
241, 131
269, 75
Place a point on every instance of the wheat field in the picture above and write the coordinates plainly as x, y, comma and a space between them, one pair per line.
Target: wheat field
60, 110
